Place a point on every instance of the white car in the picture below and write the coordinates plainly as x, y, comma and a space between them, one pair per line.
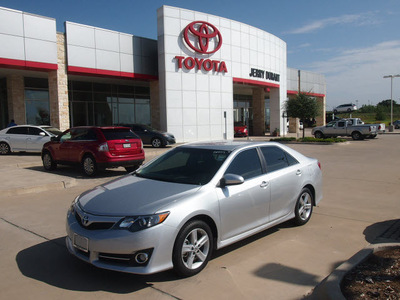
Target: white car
26, 138
345, 108
175, 210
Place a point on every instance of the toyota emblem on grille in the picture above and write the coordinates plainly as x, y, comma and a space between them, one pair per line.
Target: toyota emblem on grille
85, 220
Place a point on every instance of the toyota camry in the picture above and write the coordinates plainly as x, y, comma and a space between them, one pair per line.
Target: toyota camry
175, 210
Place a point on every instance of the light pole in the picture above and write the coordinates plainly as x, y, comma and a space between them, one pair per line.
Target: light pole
391, 98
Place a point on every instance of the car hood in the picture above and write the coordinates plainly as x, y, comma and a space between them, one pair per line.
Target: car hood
131, 195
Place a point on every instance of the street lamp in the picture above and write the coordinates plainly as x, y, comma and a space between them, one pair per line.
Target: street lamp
391, 97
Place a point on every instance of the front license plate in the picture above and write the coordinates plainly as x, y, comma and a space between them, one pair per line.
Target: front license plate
81, 242
126, 145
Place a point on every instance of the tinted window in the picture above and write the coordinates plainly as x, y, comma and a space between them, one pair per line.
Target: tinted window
118, 134
340, 124
246, 164
277, 158
18, 130
35, 131
185, 165
83, 134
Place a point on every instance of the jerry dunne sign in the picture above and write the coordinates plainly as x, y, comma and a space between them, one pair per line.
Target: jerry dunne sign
264, 74
203, 38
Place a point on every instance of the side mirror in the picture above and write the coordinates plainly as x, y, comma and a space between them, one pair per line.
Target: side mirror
42, 133
230, 179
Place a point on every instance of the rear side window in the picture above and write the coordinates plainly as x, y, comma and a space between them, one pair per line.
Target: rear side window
246, 164
118, 134
83, 134
277, 158
18, 130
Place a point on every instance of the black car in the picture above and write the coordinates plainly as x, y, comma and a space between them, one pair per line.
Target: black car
396, 124
151, 136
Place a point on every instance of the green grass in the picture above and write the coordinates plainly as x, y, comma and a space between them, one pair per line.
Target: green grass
309, 140
369, 118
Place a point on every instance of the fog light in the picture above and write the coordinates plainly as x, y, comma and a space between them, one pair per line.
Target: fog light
141, 258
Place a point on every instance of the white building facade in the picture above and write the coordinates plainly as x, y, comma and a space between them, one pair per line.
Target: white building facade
203, 74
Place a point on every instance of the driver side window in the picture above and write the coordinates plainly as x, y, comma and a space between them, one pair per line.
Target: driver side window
246, 164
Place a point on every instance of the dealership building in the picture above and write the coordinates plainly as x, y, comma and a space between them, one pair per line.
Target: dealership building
201, 75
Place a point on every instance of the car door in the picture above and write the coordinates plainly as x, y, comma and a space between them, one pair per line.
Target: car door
16, 137
63, 146
245, 206
143, 133
36, 139
284, 174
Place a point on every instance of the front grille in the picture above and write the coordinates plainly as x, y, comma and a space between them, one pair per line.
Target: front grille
94, 225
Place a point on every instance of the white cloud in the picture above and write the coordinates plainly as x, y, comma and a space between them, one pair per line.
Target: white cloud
358, 19
357, 74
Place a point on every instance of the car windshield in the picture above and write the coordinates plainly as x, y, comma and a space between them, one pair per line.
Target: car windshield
185, 165
53, 130
118, 134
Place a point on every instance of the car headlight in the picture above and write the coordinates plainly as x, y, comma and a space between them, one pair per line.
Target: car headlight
142, 222
72, 207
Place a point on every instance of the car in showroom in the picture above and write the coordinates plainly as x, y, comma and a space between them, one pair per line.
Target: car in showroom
345, 108
175, 210
25, 138
240, 130
94, 148
151, 136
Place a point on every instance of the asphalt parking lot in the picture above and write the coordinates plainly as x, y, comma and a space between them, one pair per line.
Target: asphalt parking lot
361, 199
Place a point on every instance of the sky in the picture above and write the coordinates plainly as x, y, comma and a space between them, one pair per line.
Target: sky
353, 43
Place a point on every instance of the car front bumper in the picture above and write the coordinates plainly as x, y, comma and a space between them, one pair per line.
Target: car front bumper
117, 249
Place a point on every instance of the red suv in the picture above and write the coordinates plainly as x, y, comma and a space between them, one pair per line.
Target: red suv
94, 148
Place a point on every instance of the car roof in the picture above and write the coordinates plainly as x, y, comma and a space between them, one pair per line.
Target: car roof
227, 145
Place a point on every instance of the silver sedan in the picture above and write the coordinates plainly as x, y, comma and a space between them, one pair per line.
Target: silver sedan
174, 211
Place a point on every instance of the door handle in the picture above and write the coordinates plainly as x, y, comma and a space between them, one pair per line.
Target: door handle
298, 173
264, 184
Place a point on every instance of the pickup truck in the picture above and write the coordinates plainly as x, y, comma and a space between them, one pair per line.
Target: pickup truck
380, 128
345, 127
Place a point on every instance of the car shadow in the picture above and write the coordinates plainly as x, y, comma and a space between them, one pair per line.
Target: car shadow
51, 263
76, 172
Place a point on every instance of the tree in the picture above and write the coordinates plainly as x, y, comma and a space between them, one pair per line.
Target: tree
303, 107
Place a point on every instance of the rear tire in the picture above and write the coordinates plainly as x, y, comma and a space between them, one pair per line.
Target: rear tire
4, 148
356, 136
132, 169
319, 135
304, 207
157, 143
89, 166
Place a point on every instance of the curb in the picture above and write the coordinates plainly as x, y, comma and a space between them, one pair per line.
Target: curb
330, 287
60, 185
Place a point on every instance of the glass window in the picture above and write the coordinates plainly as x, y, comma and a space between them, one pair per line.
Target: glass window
18, 130
118, 134
276, 158
83, 134
185, 165
37, 112
246, 164
35, 131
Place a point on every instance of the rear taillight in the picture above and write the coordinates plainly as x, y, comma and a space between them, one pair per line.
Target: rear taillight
319, 165
104, 147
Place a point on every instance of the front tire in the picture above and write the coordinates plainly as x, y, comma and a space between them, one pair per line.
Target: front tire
4, 148
304, 207
48, 162
89, 166
192, 249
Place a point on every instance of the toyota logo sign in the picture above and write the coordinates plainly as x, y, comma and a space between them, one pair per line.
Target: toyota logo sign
200, 36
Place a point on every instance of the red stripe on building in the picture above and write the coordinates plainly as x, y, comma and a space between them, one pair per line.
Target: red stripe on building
108, 73
255, 82
308, 94
26, 65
